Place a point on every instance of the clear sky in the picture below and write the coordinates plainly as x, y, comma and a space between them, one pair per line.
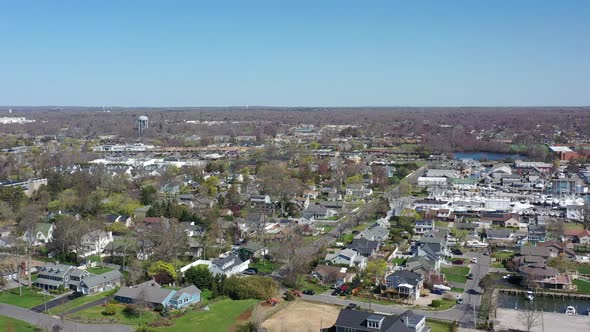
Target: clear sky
295, 53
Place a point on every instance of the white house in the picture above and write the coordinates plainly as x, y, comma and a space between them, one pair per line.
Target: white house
228, 266
93, 243
348, 257
42, 234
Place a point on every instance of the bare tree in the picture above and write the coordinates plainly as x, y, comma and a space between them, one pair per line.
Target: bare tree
28, 220
529, 318
295, 258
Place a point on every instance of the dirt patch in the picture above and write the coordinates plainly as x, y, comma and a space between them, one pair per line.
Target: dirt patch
303, 316
245, 316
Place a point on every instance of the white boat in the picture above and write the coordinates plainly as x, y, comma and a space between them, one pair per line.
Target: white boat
529, 295
570, 310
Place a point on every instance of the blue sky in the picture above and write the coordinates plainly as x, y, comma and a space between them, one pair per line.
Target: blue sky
295, 53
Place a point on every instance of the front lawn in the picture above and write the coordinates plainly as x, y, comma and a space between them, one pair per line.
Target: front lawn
11, 324
500, 255
98, 270
29, 299
439, 326
94, 315
316, 286
583, 268
220, 317
456, 273
77, 302
570, 226
497, 265
445, 304
583, 286
399, 261
347, 238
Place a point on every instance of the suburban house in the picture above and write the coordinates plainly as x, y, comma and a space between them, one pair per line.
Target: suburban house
318, 212
577, 236
52, 276
347, 257
423, 226
92, 284
252, 250
112, 218
350, 320
94, 242
405, 283
536, 234
42, 234
228, 266
364, 247
259, 199
328, 274
374, 233
501, 236
153, 295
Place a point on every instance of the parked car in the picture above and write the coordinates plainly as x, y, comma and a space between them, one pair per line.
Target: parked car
457, 252
250, 271
474, 260
458, 262
337, 284
352, 306
459, 301
470, 276
437, 291
336, 292
309, 292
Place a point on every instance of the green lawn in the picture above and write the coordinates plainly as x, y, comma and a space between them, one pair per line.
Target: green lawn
77, 302
28, 300
497, 265
457, 290
316, 287
446, 304
94, 315
11, 324
439, 326
440, 223
98, 270
347, 238
221, 317
503, 254
456, 273
399, 261
573, 226
583, 268
583, 286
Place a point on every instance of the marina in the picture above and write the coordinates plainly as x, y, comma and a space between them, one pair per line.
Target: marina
547, 302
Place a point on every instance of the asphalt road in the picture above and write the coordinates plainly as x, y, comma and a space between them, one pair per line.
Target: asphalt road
47, 322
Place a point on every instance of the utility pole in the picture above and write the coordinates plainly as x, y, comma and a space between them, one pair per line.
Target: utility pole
20, 286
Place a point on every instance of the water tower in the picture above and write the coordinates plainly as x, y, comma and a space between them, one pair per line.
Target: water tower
142, 124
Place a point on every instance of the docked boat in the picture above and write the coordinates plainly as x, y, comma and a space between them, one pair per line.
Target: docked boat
529, 295
570, 310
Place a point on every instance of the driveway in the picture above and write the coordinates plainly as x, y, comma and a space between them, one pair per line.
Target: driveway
47, 322
52, 303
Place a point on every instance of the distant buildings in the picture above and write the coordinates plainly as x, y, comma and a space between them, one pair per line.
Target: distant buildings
29, 186
14, 120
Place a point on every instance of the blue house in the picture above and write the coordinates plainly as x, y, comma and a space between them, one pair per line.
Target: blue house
185, 296
152, 294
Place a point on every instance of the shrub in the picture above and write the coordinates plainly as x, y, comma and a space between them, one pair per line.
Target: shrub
436, 303
144, 329
109, 310
131, 310
255, 287
289, 296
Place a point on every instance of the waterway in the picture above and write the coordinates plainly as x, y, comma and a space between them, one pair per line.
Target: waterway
481, 155
545, 303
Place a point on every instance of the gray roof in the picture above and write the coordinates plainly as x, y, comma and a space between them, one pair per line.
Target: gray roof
55, 270
149, 291
221, 262
357, 320
95, 280
190, 290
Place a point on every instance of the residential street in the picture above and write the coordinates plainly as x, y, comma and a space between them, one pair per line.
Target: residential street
48, 322
52, 303
463, 313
